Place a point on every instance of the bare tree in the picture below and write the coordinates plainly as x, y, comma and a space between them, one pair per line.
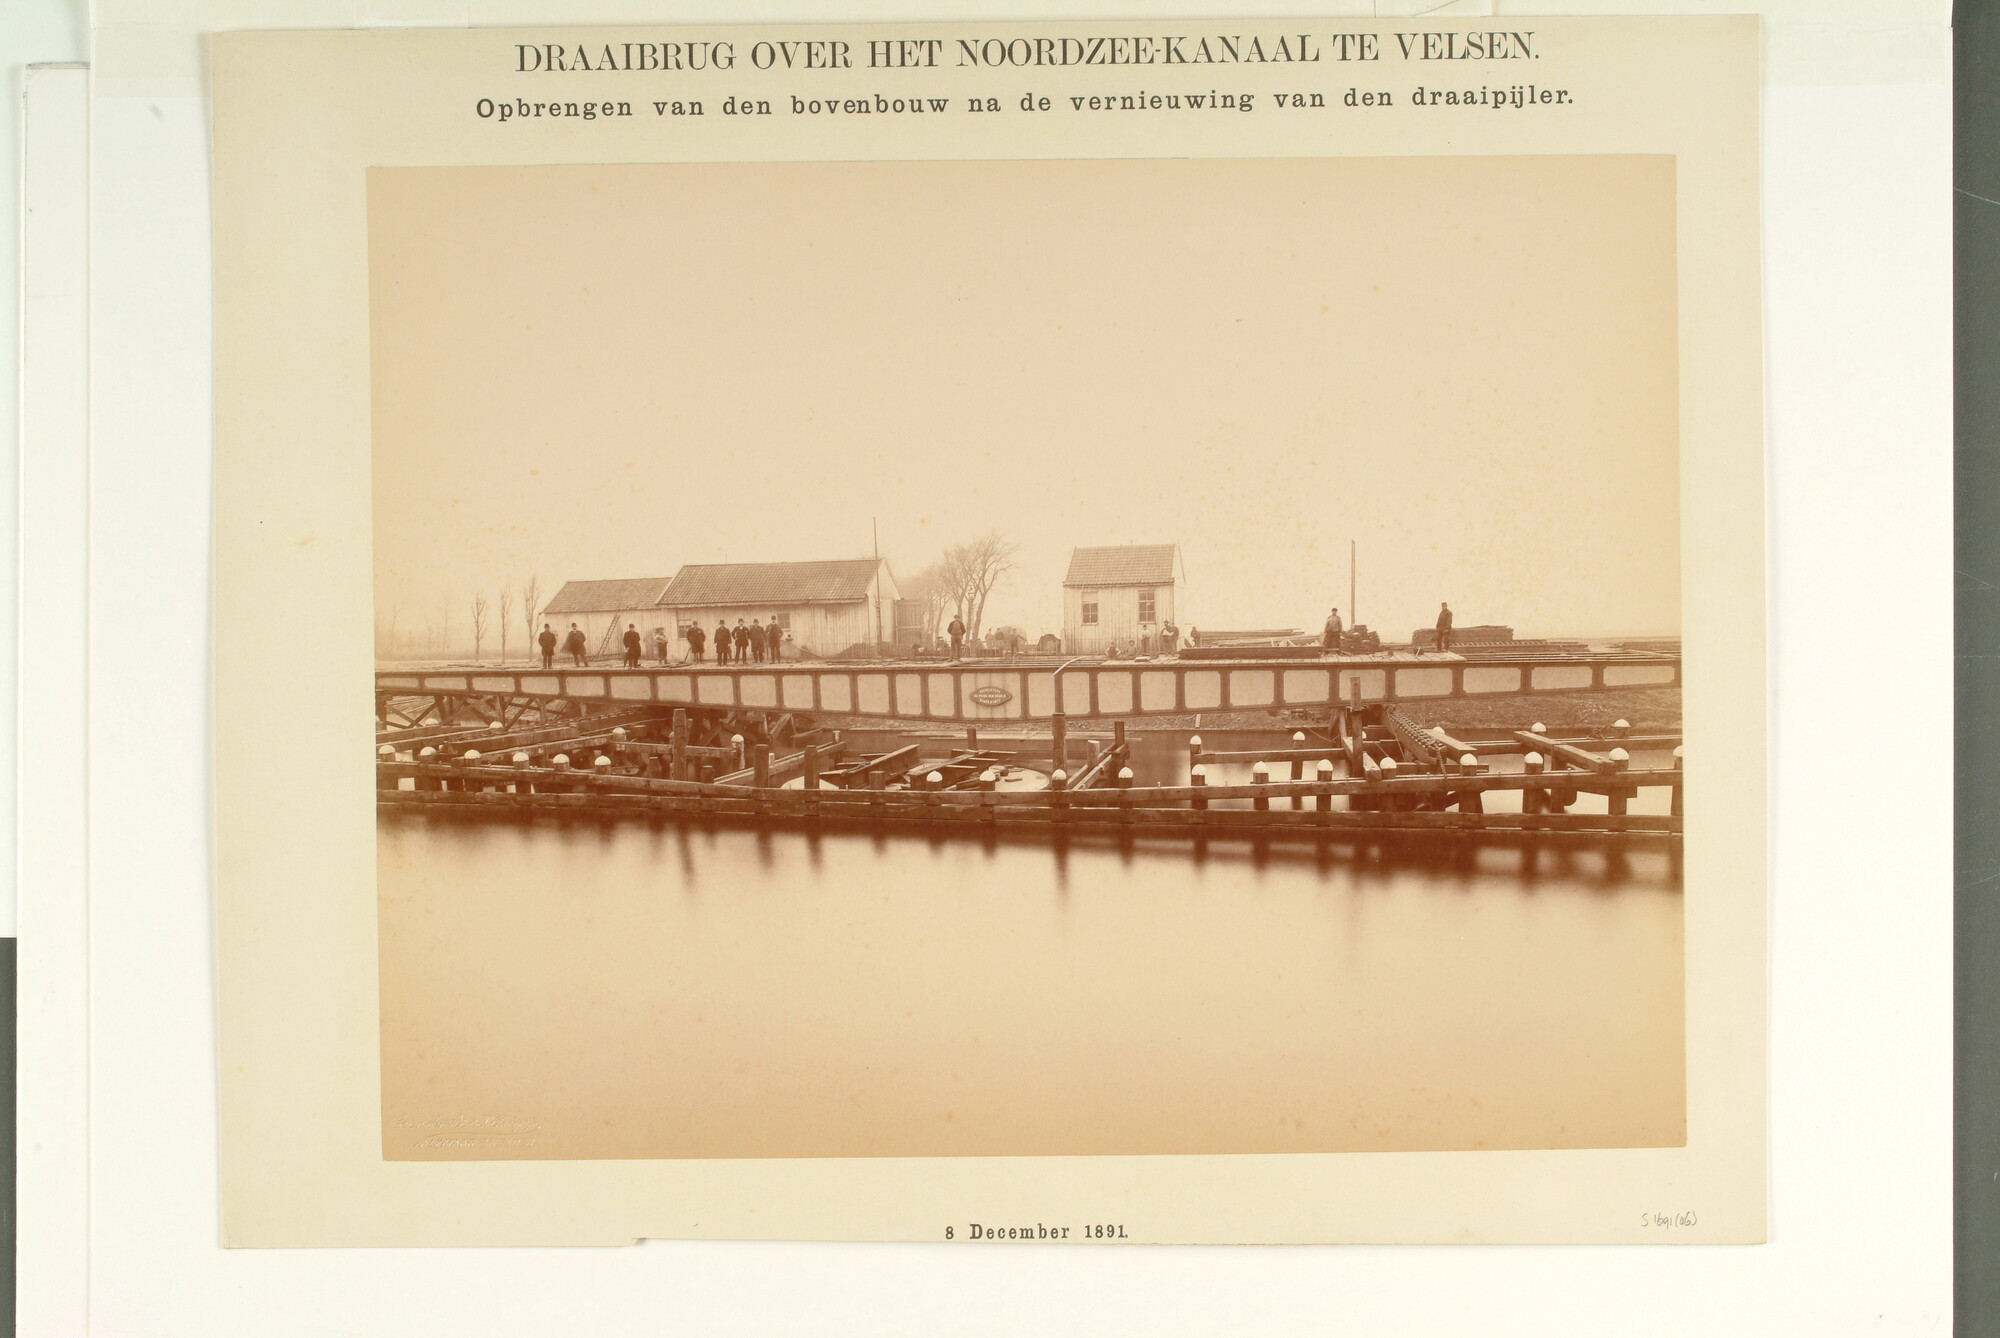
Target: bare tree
478, 623
506, 617
976, 567
935, 589
385, 629
531, 604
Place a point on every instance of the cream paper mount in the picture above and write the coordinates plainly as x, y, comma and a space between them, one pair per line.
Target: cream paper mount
622, 327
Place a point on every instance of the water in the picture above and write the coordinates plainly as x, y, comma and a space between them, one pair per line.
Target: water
566, 987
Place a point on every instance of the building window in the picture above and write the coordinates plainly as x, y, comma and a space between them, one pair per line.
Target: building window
1090, 608
783, 619
1145, 606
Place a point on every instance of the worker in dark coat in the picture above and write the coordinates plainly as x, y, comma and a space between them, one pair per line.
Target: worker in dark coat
635, 646
957, 634
1329, 640
575, 646
774, 639
721, 641
547, 641
697, 643
1444, 626
757, 640
742, 642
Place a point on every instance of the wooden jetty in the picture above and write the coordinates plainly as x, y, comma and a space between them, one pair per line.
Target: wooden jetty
1372, 769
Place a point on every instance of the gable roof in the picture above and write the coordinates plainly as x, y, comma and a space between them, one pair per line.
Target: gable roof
739, 583
607, 596
1128, 564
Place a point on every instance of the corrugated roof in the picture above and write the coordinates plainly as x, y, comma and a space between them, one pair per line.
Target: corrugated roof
608, 596
1129, 564
739, 583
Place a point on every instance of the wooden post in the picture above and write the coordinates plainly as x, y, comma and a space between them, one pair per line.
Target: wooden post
1124, 778
761, 764
1674, 805
1621, 729
934, 780
1470, 801
521, 764
427, 756
971, 738
1059, 741
1389, 801
811, 772
1260, 775
678, 768
1198, 777
1532, 800
383, 780
1118, 734
1324, 802
1298, 767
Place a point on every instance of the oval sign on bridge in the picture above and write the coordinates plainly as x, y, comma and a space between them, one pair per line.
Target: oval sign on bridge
991, 695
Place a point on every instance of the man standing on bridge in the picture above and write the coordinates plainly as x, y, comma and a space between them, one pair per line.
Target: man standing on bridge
635, 646
957, 634
757, 640
722, 641
547, 641
742, 642
1444, 627
575, 645
697, 643
1329, 640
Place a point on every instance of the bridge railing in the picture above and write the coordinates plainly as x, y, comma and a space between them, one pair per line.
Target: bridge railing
997, 691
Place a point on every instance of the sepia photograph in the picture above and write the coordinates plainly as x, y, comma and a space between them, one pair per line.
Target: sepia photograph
1027, 658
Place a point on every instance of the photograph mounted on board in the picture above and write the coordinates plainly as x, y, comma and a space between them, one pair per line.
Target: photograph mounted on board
1034, 657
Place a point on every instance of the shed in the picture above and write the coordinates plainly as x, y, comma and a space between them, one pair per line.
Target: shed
602, 609
1120, 594
827, 608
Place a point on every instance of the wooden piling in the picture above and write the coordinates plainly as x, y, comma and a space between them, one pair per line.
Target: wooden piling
1198, 777
1533, 799
1324, 773
1674, 804
761, 765
678, 768
1298, 767
811, 768
1260, 775
383, 779
1059, 741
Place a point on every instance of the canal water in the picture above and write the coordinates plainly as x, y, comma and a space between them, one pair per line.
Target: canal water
572, 987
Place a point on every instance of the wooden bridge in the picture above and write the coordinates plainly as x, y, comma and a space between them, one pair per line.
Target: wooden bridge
1009, 690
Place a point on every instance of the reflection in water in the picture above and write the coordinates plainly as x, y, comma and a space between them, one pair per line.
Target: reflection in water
646, 990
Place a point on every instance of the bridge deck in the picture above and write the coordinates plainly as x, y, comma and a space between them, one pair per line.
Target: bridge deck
997, 691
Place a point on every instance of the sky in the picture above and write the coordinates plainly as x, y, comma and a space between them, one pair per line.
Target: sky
1465, 365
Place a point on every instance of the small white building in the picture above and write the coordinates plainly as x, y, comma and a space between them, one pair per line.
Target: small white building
1120, 594
603, 609
826, 608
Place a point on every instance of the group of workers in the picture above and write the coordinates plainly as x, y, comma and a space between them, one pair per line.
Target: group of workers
1329, 641
745, 643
